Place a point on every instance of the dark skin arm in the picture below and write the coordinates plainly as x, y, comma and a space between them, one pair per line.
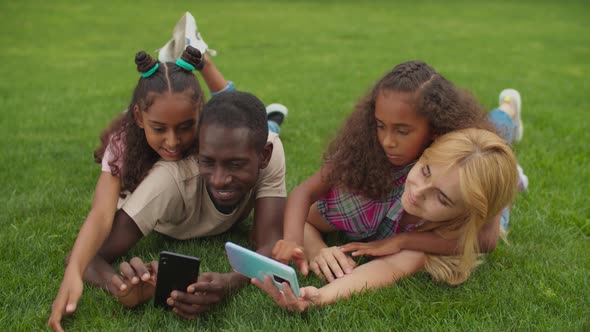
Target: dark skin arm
124, 235
212, 288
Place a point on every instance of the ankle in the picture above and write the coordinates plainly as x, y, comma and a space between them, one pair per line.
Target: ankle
508, 108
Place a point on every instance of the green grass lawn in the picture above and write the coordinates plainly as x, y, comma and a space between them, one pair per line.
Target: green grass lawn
67, 69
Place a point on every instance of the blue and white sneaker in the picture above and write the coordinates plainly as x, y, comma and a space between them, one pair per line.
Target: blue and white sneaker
185, 33
513, 97
276, 114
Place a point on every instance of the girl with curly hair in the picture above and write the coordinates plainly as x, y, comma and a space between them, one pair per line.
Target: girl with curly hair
461, 181
359, 187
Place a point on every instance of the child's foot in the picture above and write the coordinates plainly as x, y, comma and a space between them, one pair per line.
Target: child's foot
276, 114
512, 98
185, 33
193, 36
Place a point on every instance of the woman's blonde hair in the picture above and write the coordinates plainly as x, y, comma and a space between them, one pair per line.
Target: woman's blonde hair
488, 182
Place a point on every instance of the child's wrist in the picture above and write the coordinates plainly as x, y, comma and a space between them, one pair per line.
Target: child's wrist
237, 280
292, 241
74, 270
401, 240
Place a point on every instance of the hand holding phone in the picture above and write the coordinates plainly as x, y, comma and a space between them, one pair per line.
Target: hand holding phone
255, 265
175, 272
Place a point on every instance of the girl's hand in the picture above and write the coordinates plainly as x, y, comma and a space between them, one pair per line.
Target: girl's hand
286, 299
382, 247
284, 251
136, 284
66, 300
331, 263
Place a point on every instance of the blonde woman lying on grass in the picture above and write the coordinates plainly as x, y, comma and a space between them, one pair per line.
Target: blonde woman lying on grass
461, 181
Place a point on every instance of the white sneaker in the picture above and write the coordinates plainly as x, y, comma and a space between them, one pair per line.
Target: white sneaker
185, 33
512, 96
276, 112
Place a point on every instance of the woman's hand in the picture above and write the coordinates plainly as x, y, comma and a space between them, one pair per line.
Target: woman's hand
382, 247
331, 263
286, 299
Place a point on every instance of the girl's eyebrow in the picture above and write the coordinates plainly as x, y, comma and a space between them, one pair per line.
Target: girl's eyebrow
163, 124
396, 124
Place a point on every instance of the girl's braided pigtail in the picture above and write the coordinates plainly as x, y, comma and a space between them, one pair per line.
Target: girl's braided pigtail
191, 59
146, 65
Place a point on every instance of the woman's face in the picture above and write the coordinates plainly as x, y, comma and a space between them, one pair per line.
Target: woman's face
432, 192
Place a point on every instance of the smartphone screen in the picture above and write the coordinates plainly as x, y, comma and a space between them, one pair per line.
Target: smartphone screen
175, 272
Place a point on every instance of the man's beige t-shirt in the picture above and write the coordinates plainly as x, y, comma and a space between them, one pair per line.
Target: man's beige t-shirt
173, 199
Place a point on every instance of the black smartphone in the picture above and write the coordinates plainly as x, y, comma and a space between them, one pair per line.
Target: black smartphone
175, 272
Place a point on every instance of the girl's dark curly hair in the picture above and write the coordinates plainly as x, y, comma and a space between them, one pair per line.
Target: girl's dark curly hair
358, 162
127, 140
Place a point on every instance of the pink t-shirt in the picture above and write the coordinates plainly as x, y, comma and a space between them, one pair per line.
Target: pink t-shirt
109, 155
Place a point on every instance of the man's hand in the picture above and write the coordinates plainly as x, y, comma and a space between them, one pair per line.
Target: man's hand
210, 289
286, 299
284, 251
331, 263
384, 247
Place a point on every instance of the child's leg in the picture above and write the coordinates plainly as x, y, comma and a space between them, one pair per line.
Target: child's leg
214, 79
276, 114
186, 33
503, 123
507, 120
507, 117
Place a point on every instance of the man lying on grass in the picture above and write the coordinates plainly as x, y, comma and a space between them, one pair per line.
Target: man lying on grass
240, 168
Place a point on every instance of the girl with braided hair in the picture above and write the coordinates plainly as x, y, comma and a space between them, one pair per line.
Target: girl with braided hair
159, 124
359, 187
151, 181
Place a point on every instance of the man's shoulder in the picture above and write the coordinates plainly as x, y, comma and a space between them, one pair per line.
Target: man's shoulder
180, 170
277, 159
271, 182
272, 137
